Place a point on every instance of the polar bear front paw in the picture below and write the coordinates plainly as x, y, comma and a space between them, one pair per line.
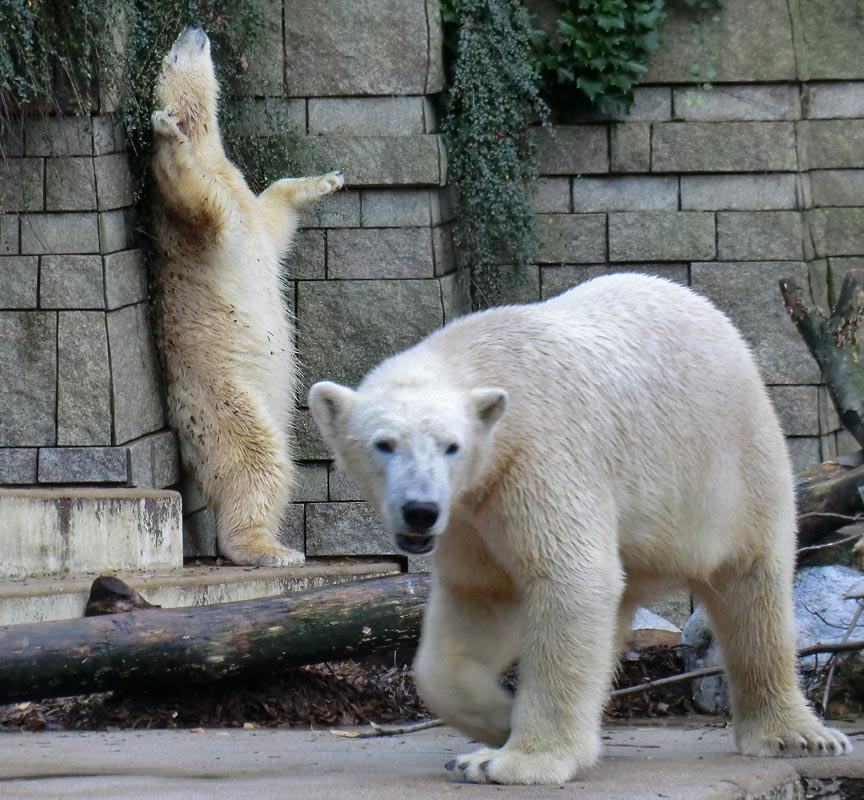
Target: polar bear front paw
264, 556
511, 766
166, 125
331, 182
802, 742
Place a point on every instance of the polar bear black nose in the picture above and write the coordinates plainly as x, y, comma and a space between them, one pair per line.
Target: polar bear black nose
419, 517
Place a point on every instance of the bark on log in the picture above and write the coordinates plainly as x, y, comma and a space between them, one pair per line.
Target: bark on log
837, 344
826, 493
172, 648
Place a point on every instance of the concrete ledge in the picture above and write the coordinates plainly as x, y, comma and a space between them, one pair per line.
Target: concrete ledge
50, 531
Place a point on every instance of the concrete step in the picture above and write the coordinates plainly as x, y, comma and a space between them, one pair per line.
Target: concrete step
78, 530
54, 597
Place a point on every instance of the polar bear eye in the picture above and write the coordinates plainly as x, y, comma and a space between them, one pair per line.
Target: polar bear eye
384, 446
452, 449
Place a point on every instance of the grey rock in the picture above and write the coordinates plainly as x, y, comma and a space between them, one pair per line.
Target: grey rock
830, 45
137, 392
798, 409
28, 391
59, 233
573, 150
71, 282
739, 192
711, 694
339, 210
395, 208
345, 529
125, 278
19, 281
59, 136
307, 259
154, 460
630, 147
83, 465
550, 195
723, 147
837, 187
661, 236
115, 231
312, 482
21, 184
373, 321
837, 231
354, 253
834, 100
747, 292
18, 465
831, 143
113, 182
569, 238
70, 184
367, 116
9, 238
738, 102
83, 379
555, 280
642, 193
760, 235
369, 47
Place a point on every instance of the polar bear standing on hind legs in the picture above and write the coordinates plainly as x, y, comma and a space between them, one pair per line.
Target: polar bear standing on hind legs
568, 461
227, 339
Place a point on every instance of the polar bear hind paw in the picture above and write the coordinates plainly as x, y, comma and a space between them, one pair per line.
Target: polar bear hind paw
491, 765
811, 741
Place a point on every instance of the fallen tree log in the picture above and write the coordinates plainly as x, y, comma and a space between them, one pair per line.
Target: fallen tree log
168, 649
829, 496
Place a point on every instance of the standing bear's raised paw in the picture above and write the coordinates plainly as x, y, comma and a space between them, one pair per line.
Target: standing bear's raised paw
167, 125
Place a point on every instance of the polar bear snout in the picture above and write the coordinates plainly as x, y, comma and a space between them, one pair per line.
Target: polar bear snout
420, 517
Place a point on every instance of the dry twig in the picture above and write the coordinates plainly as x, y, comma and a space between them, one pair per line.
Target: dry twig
389, 730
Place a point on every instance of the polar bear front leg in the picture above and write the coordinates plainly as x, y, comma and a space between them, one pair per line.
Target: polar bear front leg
296, 193
465, 645
567, 661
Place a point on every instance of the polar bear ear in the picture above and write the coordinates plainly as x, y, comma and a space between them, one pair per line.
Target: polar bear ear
328, 402
489, 404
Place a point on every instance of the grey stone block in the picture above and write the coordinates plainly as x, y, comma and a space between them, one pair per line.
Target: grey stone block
18, 465
829, 419
642, 193
19, 281
368, 47
113, 182
738, 102
739, 192
748, 293
21, 184
837, 231
83, 379
630, 147
395, 208
154, 460
515, 285
341, 488
834, 100
829, 47
339, 210
312, 482
58, 136
831, 143
442, 250
555, 280
11, 139
309, 445
125, 278
71, 282
373, 321
70, 184
9, 238
798, 409
363, 253
345, 529
255, 117
760, 235
550, 195
837, 187
573, 150
845, 443
109, 135
83, 465
804, 452
569, 238
292, 528
199, 534
135, 380
651, 104
724, 147
307, 259
752, 43
367, 116
59, 233
115, 231
28, 392
266, 61
380, 160
661, 236
456, 294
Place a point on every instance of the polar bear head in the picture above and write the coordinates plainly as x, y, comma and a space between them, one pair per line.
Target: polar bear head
187, 87
413, 450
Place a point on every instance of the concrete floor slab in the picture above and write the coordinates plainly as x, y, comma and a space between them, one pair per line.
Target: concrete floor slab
681, 760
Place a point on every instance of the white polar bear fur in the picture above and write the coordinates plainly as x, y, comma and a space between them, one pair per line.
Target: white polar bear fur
226, 336
638, 453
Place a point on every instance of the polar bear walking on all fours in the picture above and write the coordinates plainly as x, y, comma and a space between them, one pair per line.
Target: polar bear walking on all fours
226, 335
567, 461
